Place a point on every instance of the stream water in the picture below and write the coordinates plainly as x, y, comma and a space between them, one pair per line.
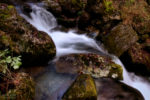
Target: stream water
67, 43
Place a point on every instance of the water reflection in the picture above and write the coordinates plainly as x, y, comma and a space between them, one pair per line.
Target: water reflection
51, 85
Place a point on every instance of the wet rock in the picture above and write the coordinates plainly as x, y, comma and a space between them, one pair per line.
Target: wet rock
71, 7
67, 22
82, 89
27, 9
53, 6
6, 1
94, 8
148, 1
109, 89
36, 48
146, 45
20, 87
84, 20
95, 65
120, 39
66, 11
138, 59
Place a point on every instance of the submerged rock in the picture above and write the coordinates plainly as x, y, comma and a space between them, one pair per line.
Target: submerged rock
95, 65
36, 48
82, 89
121, 38
109, 89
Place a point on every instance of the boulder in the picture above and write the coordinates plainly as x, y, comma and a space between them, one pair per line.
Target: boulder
138, 59
95, 65
82, 89
16, 34
109, 89
120, 39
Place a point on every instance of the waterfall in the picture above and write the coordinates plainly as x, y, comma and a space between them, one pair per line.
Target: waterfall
70, 42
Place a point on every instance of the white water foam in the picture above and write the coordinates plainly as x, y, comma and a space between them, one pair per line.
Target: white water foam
70, 42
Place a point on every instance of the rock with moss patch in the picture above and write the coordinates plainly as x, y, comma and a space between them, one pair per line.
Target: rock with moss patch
82, 89
120, 39
35, 47
95, 65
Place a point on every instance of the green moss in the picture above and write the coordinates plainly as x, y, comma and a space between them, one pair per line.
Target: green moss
82, 89
116, 71
4, 15
108, 6
79, 13
10, 7
6, 12
129, 2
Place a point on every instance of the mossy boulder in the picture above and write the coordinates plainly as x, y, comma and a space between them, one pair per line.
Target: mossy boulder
95, 65
82, 89
16, 34
19, 87
120, 39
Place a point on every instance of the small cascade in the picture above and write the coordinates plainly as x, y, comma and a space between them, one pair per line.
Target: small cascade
66, 42
70, 42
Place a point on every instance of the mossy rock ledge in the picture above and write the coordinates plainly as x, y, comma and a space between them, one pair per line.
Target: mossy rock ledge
82, 89
93, 64
16, 34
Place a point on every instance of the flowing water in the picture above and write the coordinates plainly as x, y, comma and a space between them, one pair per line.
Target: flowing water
70, 42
